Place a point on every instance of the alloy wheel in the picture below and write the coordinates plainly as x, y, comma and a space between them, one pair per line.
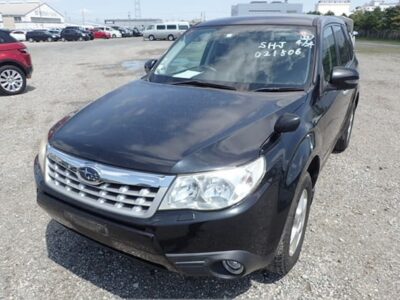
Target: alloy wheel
11, 81
298, 223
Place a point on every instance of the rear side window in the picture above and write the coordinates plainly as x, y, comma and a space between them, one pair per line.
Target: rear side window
183, 27
171, 27
160, 27
329, 56
5, 38
344, 47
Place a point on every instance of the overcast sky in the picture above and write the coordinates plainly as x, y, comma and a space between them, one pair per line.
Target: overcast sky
164, 9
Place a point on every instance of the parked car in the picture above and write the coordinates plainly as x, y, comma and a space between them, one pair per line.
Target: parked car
114, 33
124, 31
15, 65
165, 31
208, 165
41, 36
74, 35
99, 34
19, 35
136, 32
86, 31
56, 34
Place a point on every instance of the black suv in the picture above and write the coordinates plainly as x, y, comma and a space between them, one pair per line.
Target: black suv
70, 34
207, 165
41, 36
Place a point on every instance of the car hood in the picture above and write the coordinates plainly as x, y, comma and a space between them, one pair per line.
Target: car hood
174, 129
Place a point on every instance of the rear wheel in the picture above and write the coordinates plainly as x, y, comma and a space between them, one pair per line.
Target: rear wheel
49, 39
171, 38
31, 40
63, 39
114, 36
344, 140
12, 80
80, 39
290, 245
152, 38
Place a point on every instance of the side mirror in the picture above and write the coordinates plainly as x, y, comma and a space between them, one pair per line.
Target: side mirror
149, 65
287, 123
344, 78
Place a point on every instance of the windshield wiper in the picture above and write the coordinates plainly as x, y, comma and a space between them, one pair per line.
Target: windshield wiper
205, 84
278, 89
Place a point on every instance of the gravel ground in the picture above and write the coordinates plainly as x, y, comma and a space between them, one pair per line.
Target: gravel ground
352, 244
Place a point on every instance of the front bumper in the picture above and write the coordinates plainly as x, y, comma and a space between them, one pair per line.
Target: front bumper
191, 243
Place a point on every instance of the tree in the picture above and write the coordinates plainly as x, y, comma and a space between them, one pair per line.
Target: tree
314, 13
330, 13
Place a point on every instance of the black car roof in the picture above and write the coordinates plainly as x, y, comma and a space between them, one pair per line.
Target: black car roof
274, 19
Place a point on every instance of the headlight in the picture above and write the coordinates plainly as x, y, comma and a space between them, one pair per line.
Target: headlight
214, 190
42, 153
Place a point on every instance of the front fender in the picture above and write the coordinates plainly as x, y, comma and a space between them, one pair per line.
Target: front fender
301, 159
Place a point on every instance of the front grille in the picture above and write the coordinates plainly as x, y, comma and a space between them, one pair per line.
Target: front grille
120, 191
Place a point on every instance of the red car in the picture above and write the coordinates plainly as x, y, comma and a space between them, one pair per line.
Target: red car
99, 34
15, 65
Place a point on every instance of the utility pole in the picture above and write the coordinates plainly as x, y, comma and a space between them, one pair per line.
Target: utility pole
138, 10
83, 17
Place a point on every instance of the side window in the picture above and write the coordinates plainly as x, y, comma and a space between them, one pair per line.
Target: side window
160, 27
329, 56
171, 27
343, 45
183, 27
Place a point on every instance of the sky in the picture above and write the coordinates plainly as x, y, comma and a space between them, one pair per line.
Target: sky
98, 10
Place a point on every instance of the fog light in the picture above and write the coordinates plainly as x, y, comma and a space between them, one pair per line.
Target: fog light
234, 267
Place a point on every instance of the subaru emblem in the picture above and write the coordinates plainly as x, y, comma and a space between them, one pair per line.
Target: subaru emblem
89, 175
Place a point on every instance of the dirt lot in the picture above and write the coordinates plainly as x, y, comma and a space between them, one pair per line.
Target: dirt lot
352, 247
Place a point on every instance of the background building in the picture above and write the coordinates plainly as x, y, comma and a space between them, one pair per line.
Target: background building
338, 7
29, 15
132, 23
263, 7
383, 5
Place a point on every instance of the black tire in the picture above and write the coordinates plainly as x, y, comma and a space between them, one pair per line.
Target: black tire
114, 36
283, 262
344, 140
152, 38
31, 40
171, 38
22, 88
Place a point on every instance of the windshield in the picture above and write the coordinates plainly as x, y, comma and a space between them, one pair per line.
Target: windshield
247, 57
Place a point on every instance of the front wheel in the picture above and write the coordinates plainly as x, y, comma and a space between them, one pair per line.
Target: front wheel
291, 243
171, 38
152, 38
80, 39
31, 40
12, 80
49, 39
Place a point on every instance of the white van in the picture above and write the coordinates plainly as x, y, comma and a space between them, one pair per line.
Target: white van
165, 31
